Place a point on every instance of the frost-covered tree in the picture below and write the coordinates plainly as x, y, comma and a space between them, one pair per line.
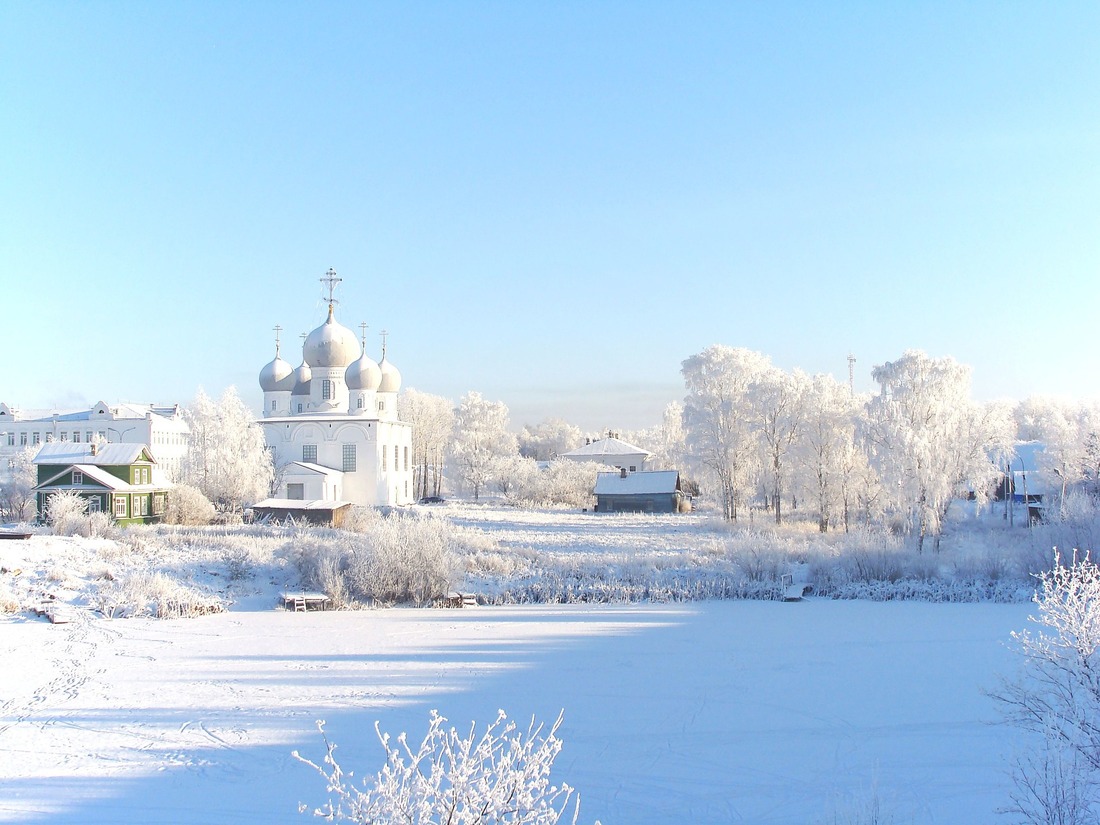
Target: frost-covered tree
513, 474
930, 441
432, 420
1070, 434
227, 458
481, 438
778, 403
718, 433
827, 448
498, 777
1057, 697
549, 439
17, 492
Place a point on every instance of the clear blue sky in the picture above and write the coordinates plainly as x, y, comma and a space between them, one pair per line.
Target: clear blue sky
553, 204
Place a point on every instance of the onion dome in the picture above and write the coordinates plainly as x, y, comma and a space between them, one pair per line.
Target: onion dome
302, 376
363, 374
277, 376
391, 378
331, 345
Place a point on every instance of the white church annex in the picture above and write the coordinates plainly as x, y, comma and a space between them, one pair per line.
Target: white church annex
331, 423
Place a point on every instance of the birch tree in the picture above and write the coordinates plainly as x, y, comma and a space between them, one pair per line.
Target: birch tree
827, 447
549, 439
778, 401
227, 458
432, 419
929, 439
17, 491
481, 437
717, 428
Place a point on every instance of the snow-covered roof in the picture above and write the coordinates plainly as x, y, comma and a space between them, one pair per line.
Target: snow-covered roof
121, 411
1026, 453
68, 452
607, 446
309, 466
299, 504
641, 483
101, 478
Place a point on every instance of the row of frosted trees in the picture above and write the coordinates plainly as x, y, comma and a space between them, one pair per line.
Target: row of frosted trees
758, 437
755, 434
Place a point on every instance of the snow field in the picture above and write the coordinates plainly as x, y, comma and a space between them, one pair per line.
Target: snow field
716, 712
675, 711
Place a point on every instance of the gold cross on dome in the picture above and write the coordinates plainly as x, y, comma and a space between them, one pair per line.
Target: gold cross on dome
331, 279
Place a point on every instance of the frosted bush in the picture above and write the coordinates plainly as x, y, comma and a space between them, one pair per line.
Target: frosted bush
153, 594
1075, 524
500, 776
67, 514
8, 601
1057, 698
398, 559
361, 519
188, 506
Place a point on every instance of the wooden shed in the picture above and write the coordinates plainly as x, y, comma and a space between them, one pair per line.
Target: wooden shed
655, 491
327, 513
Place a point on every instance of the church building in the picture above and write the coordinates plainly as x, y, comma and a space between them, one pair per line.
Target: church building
331, 423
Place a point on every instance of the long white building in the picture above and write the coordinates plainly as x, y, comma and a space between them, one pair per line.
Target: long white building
161, 427
331, 423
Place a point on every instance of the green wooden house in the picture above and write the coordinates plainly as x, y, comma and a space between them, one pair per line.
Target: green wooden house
116, 479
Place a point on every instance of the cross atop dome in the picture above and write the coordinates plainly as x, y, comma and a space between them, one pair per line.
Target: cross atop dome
331, 279
278, 329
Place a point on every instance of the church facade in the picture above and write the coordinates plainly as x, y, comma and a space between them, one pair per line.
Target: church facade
332, 423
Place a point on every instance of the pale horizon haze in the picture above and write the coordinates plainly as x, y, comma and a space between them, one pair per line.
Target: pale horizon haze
551, 204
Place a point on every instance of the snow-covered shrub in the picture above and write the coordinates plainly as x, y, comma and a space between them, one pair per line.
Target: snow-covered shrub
153, 594
1075, 524
8, 602
188, 506
500, 776
397, 559
361, 519
1057, 698
67, 514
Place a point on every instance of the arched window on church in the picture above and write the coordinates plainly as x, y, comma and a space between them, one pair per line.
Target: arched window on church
359, 403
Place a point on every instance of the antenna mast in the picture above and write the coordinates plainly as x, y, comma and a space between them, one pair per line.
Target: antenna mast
851, 373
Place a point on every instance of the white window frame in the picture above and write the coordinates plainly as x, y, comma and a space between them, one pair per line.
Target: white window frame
78, 477
121, 508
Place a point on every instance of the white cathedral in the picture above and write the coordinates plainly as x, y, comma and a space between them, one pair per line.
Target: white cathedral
331, 424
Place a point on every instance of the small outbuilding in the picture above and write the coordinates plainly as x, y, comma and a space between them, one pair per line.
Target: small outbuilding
613, 452
652, 491
325, 513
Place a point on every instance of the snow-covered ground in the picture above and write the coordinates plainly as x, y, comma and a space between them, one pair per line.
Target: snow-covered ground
762, 712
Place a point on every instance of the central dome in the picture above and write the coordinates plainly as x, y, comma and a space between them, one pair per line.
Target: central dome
331, 345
